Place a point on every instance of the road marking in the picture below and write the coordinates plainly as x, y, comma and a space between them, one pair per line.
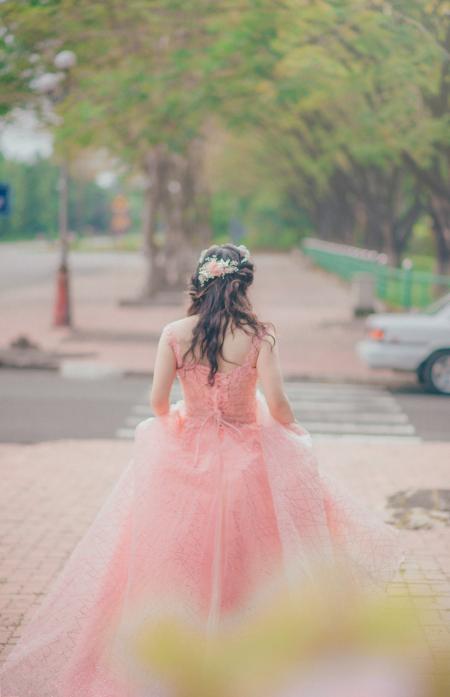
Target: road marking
135, 420
354, 407
364, 438
349, 412
350, 428
320, 398
336, 389
142, 409
341, 411
354, 416
125, 433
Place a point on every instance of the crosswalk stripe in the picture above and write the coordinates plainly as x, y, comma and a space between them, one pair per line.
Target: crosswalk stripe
341, 399
134, 420
380, 407
349, 427
335, 389
141, 409
349, 411
125, 433
354, 417
365, 438
327, 410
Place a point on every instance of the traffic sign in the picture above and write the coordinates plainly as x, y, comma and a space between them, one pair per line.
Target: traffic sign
4, 199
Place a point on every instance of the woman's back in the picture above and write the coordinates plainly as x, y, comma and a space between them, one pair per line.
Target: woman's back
221, 343
232, 396
236, 345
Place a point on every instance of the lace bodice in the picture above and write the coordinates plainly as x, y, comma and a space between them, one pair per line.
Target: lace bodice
232, 397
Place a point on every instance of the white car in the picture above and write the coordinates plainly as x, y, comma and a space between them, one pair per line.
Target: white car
414, 341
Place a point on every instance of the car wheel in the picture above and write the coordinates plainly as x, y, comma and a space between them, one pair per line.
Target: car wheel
437, 372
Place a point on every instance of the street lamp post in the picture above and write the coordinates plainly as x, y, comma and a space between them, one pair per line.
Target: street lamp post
62, 316
54, 85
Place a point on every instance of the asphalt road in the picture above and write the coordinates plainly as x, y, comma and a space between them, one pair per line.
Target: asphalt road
30, 263
42, 406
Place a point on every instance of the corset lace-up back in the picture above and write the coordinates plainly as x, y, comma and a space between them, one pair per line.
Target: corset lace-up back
233, 394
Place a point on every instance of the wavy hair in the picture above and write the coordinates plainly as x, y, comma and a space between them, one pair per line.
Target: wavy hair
221, 302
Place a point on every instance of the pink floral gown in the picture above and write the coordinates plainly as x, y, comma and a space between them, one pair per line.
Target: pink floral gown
218, 500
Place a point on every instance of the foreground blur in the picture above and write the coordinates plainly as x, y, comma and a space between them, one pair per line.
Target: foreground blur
324, 641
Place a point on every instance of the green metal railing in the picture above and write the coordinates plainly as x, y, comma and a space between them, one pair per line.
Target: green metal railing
397, 287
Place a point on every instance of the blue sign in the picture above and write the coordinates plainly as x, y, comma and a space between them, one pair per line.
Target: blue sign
4, 199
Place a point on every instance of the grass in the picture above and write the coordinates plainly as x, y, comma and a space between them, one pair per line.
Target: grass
130, 242
396, 287
421, 294
423, 262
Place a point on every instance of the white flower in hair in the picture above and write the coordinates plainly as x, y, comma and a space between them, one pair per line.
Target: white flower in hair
214, 267
202, 255
243, 250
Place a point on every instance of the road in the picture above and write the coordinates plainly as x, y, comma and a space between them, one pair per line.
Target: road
42, 406
27, 264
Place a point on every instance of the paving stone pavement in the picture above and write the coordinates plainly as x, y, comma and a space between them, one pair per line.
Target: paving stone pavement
51, 492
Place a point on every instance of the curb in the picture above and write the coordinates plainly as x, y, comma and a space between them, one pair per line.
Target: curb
82, 369
295, 377
88, 370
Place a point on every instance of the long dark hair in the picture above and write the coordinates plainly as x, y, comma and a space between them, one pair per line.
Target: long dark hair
221, 302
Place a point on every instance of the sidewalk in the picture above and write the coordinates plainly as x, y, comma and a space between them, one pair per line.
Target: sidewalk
52, 491
310, 308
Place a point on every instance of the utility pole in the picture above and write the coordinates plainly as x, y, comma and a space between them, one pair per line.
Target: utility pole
55, 86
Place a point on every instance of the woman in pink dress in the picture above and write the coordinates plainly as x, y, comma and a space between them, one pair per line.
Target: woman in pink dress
221, 504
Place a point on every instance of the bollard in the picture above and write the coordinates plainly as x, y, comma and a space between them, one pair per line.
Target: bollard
363, 294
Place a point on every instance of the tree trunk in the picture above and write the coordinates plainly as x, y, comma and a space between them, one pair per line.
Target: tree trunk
435, 181
373, 232
322, 216
390, 211
343, 208
176, 191
198, 197
152, 200
440, 213
177, 247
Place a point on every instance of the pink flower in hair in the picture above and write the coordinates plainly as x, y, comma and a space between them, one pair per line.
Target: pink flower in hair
213, 267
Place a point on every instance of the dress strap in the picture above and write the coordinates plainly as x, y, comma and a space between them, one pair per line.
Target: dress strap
174, 343
254, 350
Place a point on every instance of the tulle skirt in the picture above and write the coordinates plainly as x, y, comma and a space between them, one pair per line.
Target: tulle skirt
209, 523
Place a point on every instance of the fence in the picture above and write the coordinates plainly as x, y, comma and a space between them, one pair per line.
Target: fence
397, 287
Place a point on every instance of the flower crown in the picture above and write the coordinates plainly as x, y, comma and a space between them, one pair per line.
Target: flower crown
212, 267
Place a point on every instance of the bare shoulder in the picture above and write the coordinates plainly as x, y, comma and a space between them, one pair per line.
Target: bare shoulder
181, 328
270, 335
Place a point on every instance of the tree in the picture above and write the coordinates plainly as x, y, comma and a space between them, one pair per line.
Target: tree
344, 104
